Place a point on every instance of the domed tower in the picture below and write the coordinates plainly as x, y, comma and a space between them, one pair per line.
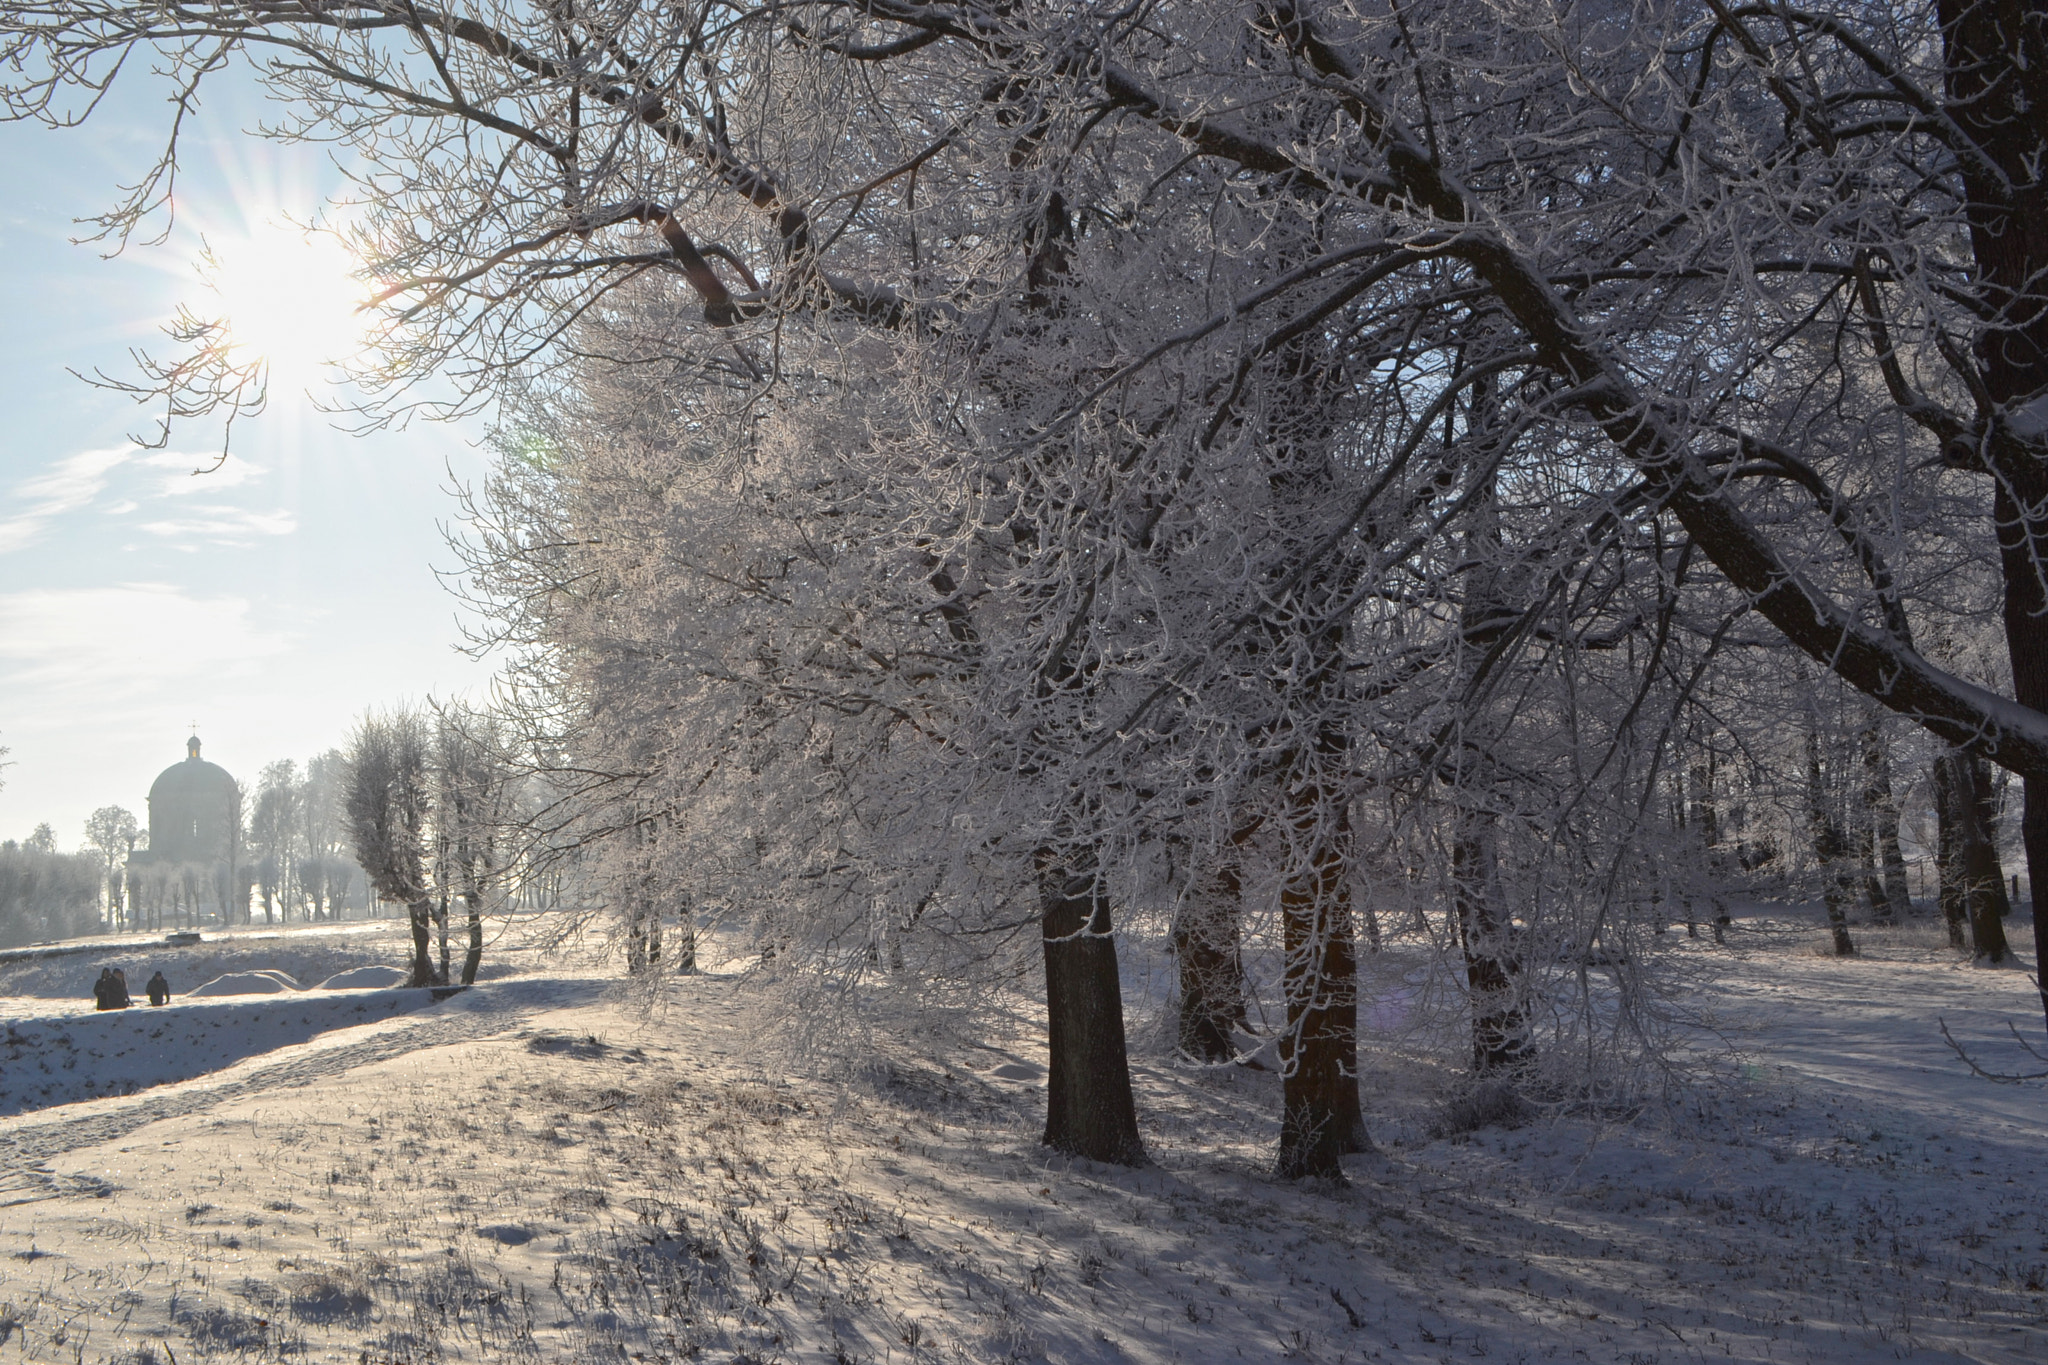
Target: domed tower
193, 811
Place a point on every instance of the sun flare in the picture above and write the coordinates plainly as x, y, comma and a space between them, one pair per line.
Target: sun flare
289, 297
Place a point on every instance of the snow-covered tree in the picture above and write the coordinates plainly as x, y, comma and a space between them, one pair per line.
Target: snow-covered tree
386, 798
111, 832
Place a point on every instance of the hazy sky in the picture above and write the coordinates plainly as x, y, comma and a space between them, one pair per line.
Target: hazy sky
271, 601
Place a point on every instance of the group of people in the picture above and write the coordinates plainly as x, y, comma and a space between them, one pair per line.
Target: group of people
110, 992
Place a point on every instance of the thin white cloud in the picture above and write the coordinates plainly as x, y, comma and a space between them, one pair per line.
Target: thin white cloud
84, 646
79, 481
65, 486
226, 525
187, 475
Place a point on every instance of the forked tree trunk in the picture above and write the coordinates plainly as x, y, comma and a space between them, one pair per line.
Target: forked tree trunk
1089, 1109
1320, 1118
421, 912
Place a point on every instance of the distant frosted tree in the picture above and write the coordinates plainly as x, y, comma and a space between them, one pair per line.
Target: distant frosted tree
386, 795
273, 833
112, 831
319, 835
472, 789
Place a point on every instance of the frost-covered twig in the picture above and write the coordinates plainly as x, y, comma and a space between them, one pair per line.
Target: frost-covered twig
2003, 1078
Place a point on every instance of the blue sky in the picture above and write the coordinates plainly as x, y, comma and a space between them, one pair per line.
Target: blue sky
270, 601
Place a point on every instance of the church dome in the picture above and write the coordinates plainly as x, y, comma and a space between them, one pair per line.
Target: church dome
194, 808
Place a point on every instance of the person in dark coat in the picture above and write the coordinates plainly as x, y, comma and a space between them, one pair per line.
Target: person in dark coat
103, 990
159, 990
120, 991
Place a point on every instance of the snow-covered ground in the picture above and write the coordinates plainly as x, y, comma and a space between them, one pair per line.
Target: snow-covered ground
541, 1170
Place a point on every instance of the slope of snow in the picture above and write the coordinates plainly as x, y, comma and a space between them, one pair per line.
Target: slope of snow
45, 1062
244, 983
365, 978
537, 1171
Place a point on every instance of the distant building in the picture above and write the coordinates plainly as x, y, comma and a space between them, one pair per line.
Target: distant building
195, 820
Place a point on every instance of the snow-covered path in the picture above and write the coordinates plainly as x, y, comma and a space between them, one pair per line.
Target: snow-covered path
28, 1143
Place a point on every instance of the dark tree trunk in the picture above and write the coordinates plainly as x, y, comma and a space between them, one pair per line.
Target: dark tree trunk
1996, 54
441, 924
1877, 793
637, 958
474, 958
1500, 1023
1089, 1109
1948, 847
1830, 848
686, 937
421, 912
1983, 877
1209, 966
1320, 1118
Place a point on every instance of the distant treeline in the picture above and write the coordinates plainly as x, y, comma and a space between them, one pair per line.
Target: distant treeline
45, 894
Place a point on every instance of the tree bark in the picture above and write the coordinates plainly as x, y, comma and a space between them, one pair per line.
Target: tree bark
441, 923
1891, 860
1320, 1118
1830, 848
686, 937
1089, 1108
1500, 1023
421, 912
1996, 55
473, 958
1948, 847
1210, 969
1983, 877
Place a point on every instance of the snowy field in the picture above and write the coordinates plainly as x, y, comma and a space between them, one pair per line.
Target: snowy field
543, 1170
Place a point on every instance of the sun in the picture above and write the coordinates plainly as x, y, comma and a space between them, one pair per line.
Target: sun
289, 297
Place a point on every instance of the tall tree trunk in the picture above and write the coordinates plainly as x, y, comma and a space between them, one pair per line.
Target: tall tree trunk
1500, 1029
1830, 847
1877, 774
1209, 967
473, 959
1089, 1109
1876, 794
1996, 55
1706, 827
1320, 1118
1949, 815
441, 923
1500, 1021
1983, 877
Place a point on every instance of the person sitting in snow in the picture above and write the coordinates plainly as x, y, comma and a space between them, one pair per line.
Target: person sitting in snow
159, 990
